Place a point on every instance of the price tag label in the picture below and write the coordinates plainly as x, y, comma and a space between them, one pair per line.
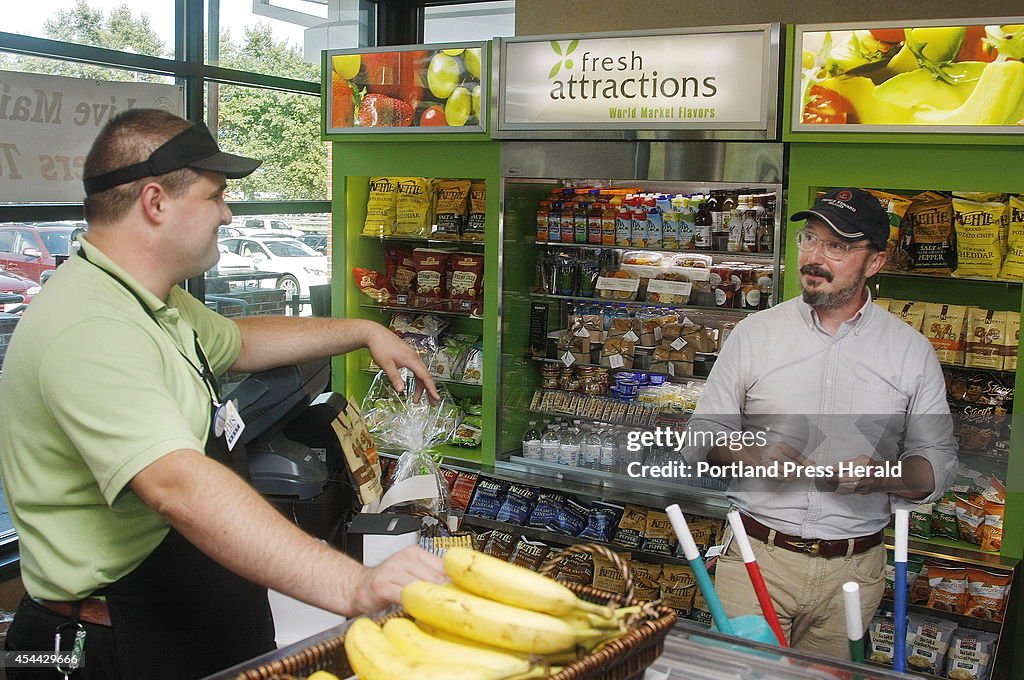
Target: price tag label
582, 332
615, 361
671, 369
631, 336
401, 299
568, 359
657, 334
678, 344
687, 322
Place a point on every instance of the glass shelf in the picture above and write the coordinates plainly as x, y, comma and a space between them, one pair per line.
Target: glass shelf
968, 621
634, 303
715, 253
947, 277
446, 381
953, 551
426, 240
679, 379
420, 310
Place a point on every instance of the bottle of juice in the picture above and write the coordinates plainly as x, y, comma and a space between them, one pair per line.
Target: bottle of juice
702, 222
555, 222
736, 224
624, 223
655, 222
687, 221
580, 221
750, 225
608, 212
568, 232
638, 229
594, 216
670, 222
542, 221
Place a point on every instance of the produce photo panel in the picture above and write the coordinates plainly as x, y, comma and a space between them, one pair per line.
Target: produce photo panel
417, 89
910, 76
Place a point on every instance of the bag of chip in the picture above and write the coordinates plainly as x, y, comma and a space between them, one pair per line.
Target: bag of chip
529, 554
948, 589
452, 201
944, 523
412, 206
546, 509
944, 327
659, 536
632, 526
474, 230
602, 519
986, 594
881, 640
372, 284
969, 656
381, 207
500, 545
518, 504
979, 227
1013, 264
401, 270
921, 520
465, 293
431, 276
1011, 342
896, 207
970, 519
927, 641
462, 490
488, 498
577, 568
929, 222
909, 312
607, 576
992, 529
986, 329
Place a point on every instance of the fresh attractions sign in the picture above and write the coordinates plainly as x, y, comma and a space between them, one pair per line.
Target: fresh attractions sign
716, 80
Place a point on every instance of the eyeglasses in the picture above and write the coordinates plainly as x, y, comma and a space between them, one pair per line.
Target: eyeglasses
837, 251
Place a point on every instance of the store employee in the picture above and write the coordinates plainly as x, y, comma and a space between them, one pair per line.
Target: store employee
830, 379
137, 538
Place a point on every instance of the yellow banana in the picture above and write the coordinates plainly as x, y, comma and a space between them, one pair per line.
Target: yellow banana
582, 620
496, 579
469, 616
416, 644
373, 657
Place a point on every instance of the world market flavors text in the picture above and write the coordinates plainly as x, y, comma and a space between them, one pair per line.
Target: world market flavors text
660, 112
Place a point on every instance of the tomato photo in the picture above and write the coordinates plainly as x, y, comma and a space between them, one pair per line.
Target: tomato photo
826, 107
433, 115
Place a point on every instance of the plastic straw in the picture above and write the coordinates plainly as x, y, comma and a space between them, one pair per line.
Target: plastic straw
854, 620
739, 533
675, 516
899, 654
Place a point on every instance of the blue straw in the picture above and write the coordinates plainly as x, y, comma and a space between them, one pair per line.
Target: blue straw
899, 655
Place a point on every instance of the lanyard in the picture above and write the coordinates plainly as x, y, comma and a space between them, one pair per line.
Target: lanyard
204, 372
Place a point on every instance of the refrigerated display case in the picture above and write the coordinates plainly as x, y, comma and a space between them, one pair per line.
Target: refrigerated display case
897, 134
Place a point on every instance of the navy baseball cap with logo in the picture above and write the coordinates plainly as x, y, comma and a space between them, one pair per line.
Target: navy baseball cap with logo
853, 214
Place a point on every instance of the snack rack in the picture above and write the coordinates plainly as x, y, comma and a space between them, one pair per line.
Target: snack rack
907, 162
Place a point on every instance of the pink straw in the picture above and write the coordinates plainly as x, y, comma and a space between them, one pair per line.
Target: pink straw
756, 579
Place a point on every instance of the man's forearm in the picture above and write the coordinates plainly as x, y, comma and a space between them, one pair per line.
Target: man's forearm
271, 341
226, 519
916, 481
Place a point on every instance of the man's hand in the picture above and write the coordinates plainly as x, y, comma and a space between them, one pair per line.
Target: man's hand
391, 353
853, 483
382, 585
757, 455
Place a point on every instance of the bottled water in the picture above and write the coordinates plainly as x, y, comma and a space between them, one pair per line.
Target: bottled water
609, 450
569, 446
549, 444
531, 442
591, 449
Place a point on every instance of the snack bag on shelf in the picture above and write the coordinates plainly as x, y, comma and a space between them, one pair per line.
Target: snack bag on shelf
970, 520
944, 326
986, 329
413, 206
467, 282
1011, 342
987, 593
980, 237
401, 270
881, 640
450, 359
381, 207
372, 284
969, 656
474, 230
1013, 264
414, 428
452, 203
896, 207
992, 529
927, 641
929, 222
909, 312
948, 589
431, 277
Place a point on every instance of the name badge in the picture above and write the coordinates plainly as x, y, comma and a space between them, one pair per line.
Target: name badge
228, 422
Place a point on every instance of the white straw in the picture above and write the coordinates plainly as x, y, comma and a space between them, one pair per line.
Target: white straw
902, 530
739, 534
851, 600
675, 516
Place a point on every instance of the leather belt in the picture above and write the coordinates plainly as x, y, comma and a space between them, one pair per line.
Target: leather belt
811, 546
94, 610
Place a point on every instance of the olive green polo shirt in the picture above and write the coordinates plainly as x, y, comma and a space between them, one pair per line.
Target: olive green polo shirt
92, 392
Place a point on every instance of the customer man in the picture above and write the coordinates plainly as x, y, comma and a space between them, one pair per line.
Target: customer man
158, 554
826, 378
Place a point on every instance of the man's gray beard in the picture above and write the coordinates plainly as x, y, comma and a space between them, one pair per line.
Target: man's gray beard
833, 300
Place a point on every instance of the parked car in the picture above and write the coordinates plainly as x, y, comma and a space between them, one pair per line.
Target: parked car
251, 225
29, 249
317, 242
231, 263
15, 290
224, 232
299, 265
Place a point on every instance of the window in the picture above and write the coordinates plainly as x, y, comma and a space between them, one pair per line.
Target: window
469, 21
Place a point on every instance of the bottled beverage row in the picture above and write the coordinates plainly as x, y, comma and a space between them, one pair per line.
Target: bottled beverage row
741, 221
591, 446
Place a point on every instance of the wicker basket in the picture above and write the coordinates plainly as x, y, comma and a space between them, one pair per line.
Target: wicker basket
623, 659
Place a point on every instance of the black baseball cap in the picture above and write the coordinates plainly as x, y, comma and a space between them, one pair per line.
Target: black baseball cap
853, 214
194, 147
